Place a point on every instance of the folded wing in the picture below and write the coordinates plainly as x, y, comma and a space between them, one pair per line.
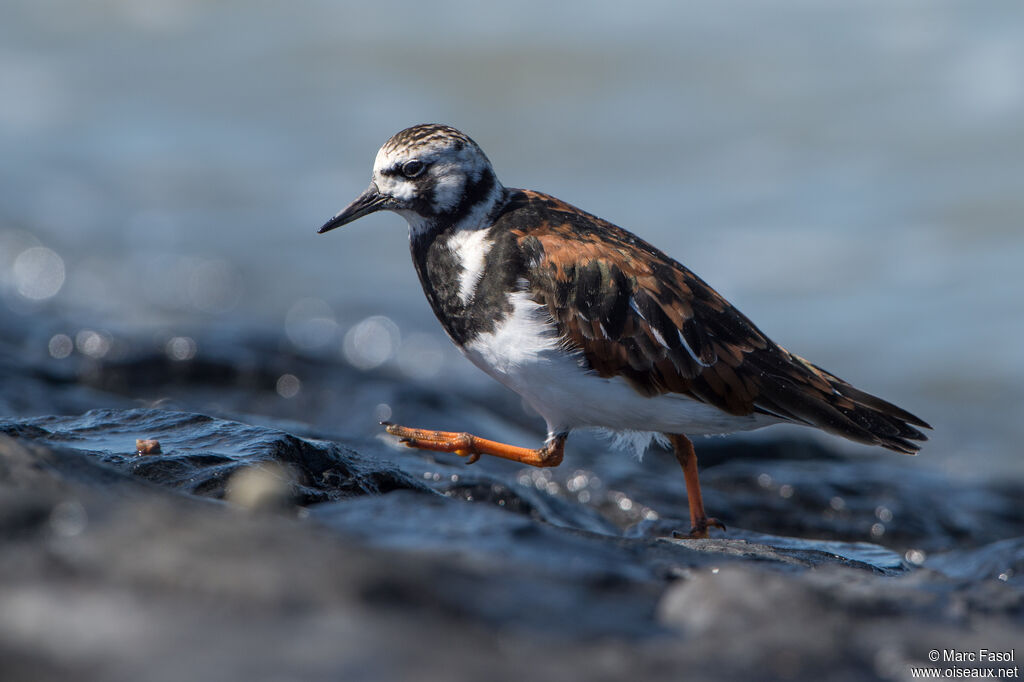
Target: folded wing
632, 311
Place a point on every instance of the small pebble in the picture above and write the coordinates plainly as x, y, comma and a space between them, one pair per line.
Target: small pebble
150, 446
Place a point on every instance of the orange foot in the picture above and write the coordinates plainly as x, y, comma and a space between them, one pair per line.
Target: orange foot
472, 447
700, 529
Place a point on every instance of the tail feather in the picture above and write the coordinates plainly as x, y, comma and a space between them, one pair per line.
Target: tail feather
877, 404
844, 410
892, 426
887, 425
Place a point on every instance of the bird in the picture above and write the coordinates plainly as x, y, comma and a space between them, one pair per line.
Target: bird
591, 325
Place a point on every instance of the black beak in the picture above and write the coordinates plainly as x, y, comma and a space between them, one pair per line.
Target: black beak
366, 203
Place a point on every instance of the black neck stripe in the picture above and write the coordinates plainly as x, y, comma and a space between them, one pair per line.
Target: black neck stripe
475, 192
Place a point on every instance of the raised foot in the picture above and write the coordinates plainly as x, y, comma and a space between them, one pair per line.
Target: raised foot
472, 447
462, 444
700, 529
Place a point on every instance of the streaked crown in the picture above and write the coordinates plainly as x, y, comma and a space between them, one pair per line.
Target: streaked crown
433, 167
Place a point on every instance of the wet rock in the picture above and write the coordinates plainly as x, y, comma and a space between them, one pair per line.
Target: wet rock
1002, 560
201, 453
801, 625
384, 562
799, 553
106, 576
870, 498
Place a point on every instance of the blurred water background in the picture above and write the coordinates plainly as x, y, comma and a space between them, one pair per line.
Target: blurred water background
849, 176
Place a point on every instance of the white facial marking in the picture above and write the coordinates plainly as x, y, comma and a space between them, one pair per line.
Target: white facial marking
448, 186
396, 186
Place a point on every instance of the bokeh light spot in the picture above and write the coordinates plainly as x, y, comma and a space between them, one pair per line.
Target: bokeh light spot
68, 518
181, 348
310, 324
420, 356
382, 412
92, 343
60, 346
38, 273
288, 386
372, 342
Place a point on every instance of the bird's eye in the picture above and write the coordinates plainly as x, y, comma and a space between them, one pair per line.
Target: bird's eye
411, 169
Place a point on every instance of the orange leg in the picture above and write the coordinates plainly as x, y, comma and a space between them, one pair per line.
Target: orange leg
468, 445
699, 520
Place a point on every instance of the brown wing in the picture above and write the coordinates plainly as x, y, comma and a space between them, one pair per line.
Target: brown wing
636, 313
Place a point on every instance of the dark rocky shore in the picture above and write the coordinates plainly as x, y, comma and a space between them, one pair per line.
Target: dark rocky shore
273, 538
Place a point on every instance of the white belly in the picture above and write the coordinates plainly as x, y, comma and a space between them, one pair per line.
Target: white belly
524, 354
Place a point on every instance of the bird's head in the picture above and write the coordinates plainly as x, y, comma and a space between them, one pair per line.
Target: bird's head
431, 174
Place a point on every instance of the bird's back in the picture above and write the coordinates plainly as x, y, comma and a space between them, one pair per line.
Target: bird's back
633, 312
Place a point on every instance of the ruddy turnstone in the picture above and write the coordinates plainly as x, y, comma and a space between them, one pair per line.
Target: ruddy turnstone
591, 325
